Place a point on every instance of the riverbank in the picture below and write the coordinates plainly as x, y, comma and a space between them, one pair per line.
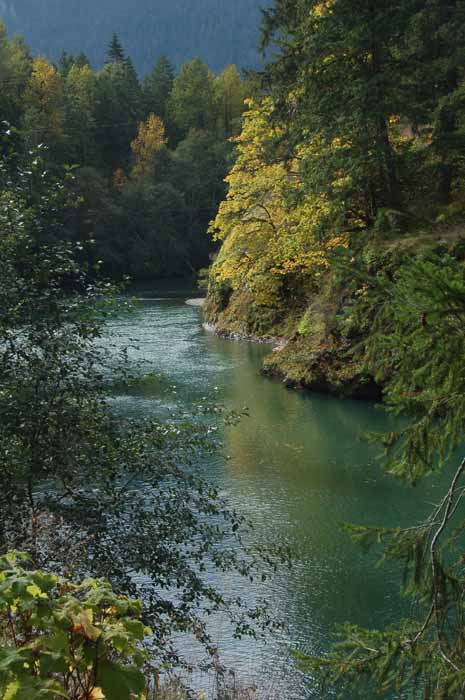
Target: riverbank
232, 335
310, 352
320, 330
313, 362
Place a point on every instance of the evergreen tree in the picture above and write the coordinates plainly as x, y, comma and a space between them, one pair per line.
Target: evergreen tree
434, 66
416, 347
157, 87
198, 170
132, 86
193, 101
65, 63
118, 113
115, 51
341, 63
82, 60
362, 76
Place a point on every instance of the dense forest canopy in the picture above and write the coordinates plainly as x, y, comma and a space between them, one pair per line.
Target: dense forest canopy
150, 156
218, 31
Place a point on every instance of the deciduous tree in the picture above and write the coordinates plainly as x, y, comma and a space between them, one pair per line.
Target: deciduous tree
44, 105
150, 139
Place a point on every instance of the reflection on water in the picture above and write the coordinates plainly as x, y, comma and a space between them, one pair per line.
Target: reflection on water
297, 468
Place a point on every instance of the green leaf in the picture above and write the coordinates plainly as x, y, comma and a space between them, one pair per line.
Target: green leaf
10, 658
119, 682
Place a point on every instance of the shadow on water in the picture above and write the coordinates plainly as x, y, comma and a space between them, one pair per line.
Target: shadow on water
296, 467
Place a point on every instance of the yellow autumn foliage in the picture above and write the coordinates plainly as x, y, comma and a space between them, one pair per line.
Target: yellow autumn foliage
269, 224
43, 98
149, 140
321, 9
82, 83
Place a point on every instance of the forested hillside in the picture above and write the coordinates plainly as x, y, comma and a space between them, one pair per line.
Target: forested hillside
353, 157
148, 156
217, 31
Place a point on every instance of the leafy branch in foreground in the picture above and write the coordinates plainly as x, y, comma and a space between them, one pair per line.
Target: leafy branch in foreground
80, 487
60, 639
417, 348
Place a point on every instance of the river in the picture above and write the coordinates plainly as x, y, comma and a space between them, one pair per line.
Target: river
297, 467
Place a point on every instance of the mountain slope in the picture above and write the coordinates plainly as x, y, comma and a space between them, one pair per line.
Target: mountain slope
218, 31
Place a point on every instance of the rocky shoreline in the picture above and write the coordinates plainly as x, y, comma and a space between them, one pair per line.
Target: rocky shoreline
359, 387
278, 343
199, 301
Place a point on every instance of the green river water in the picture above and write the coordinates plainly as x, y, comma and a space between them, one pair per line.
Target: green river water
298, 469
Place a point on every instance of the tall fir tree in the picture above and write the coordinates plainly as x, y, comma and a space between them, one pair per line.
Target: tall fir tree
115, 52
65, 63
119, 108
157, 87
341, 63
433, 71
193, 101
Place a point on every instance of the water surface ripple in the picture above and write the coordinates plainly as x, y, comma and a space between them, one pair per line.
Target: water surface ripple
297, 468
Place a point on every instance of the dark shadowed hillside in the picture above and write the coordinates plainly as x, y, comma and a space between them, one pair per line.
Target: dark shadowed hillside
218, 31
